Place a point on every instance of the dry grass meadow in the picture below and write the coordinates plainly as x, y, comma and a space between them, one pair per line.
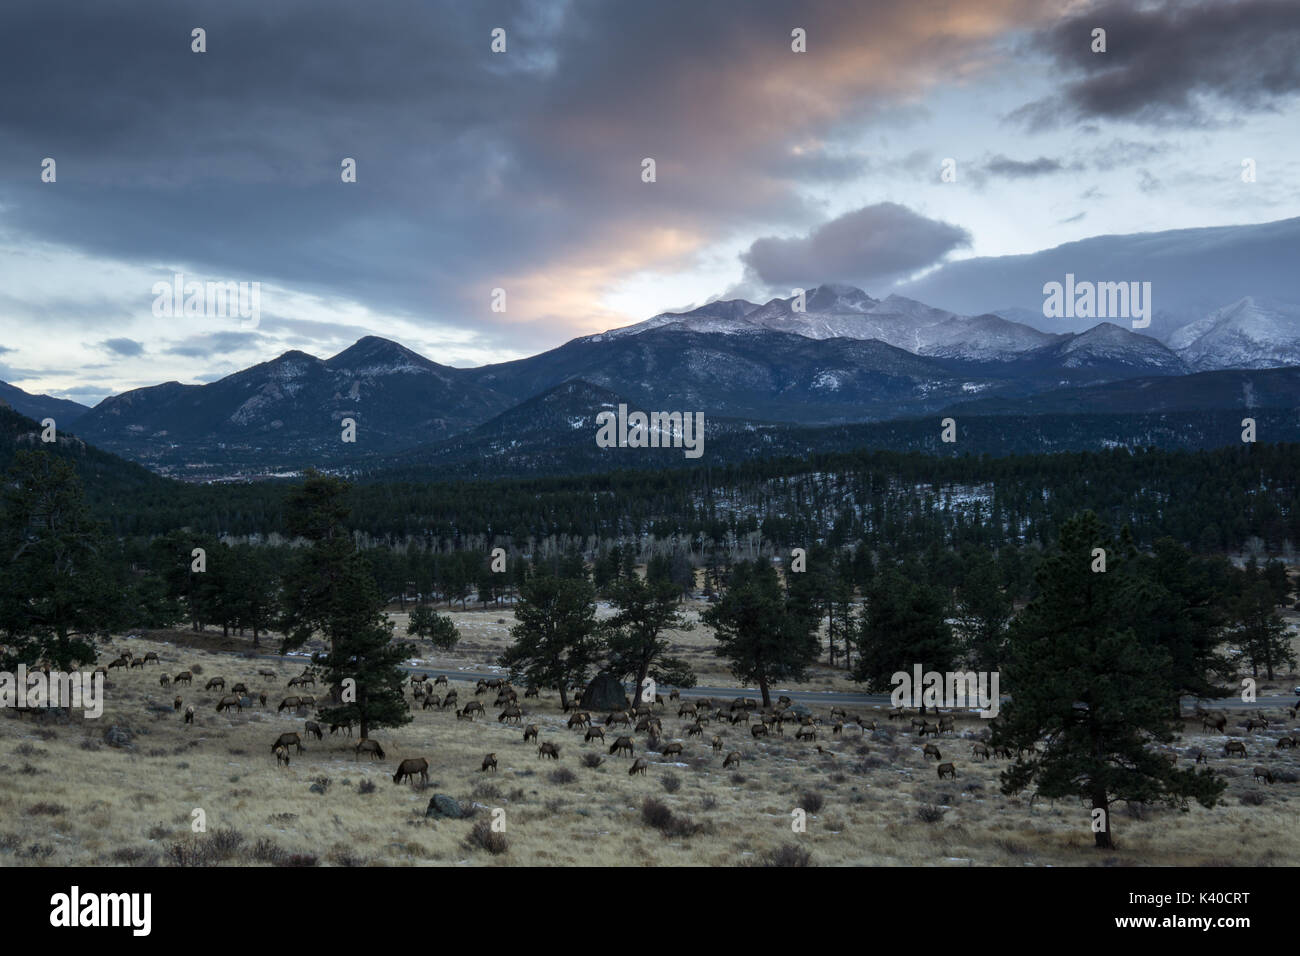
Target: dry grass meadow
73, 792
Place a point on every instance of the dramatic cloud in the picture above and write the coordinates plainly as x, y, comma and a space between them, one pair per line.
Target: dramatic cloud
1172, 61
870, 245
122, 346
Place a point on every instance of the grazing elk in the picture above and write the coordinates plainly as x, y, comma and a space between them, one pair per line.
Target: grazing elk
1201, 757
758, 730
301, 680
1263, 773
138, 662
1004, 752
1256, 724
431, 700
947, 725
189, 714
579, 719
448, 701
1234, 747
366, 745
531, 692
306, 700
218, 682
685, 709
230, 700
621, 744
240, 689
289, 739
897, 714
530, 733
733, 759
947, 770
312, 727
593, 733
408, 768
511, 714
979, 750
266, 673
152, 656
289, 703
806, 732
441, 679
474, 707
1285, 742
184, 677
335, 728
1214, 721
695, 730
163, 680
672, 750
119, 662
489, 763
638, 766
548, 749
281, 755
619, 718
930, 750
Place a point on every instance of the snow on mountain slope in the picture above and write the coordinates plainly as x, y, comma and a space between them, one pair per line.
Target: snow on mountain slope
1249, 333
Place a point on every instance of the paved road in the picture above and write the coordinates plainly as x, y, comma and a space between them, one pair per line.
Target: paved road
820, 698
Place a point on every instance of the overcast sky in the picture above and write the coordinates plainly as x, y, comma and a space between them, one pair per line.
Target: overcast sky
522, 170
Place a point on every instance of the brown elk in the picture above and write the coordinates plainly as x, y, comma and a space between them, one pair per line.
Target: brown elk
239, 689
267, 673
1256, 724
289, 703
512, 714
929, 728
548, 749
897, 714
1263, 773
672, 750
431, 700
758, 730
230, 700
947, 724
1285, 742
717, 742
622, 744
1234, 747
594, 733
474, 707
176, 704
733, 759
947, 770
740, 717
531, 692
335, 728
837, 728
138, 662
685, 709
1214, 721
695, 730
1004, 752
306, 700
530, 733
281, 755
189, 714
311, 727
979, 750
806, 733
301, 680
1200, 757
441, 679
366, 745
619, 718
215, 682
579, 719
119, 662
163, 680
184, 677
408, 768
289, 739
449, 700
638, 766
930, 750
152, 656
489, 763
261, 698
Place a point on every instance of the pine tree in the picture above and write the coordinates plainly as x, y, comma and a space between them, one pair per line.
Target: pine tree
329, 590
765, 637
427, 624
1087, 694
556, 640
634, 638
56, 590
902, 625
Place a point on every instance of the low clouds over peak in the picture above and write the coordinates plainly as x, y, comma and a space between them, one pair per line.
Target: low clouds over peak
868, 246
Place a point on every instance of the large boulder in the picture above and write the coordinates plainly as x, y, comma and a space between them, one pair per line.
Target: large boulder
605, 692
444, 806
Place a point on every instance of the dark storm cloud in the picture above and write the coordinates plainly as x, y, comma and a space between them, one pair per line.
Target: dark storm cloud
869, 244
128, 347
474, 170
1168, 62
1022, 169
